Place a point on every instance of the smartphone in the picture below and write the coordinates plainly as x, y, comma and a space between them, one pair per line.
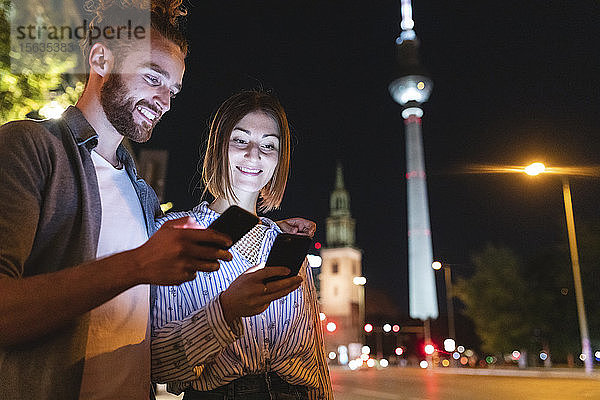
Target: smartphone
288, 251
235, 223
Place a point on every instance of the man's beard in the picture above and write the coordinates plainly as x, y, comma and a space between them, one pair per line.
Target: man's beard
119, 106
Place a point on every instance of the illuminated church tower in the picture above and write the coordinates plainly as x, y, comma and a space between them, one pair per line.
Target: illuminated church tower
342, 300
410, 90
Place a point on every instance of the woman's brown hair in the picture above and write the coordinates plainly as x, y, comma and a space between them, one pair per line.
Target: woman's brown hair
215, 171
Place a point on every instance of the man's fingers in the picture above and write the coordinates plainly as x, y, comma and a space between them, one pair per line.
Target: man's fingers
182, 223
206, 236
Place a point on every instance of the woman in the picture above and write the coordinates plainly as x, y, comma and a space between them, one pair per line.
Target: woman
222, 335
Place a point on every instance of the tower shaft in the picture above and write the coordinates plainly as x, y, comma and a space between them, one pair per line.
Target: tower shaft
422, 294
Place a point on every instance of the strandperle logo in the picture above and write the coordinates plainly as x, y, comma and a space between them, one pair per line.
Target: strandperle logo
47, 37
53, 32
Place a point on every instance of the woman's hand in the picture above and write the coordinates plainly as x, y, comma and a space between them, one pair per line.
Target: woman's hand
248, 294
299, 226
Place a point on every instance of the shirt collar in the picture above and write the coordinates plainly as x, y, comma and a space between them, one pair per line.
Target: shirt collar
80, 128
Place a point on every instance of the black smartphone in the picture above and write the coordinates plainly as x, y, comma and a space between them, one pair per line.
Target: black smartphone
288, 251
235, 223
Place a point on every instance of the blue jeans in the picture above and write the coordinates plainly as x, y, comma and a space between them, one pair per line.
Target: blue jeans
252, 387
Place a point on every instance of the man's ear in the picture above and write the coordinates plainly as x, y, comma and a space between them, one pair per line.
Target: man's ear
101, 59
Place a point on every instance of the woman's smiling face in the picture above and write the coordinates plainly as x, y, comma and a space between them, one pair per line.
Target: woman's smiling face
253, 152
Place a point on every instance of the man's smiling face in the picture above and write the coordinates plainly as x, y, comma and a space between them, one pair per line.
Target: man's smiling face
135, 101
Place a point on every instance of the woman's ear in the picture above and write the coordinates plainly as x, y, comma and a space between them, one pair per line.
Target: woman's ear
101, 59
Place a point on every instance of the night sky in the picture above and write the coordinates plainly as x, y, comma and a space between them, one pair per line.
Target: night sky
514, 82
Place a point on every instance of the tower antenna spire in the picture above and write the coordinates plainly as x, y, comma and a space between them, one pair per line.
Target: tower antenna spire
407, 22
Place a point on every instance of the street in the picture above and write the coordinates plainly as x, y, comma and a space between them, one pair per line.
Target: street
419, 384
445, 384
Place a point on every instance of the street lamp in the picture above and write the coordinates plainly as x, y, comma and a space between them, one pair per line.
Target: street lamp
436, 265
536, 169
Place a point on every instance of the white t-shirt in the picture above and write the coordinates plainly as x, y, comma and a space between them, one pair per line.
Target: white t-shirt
117, 361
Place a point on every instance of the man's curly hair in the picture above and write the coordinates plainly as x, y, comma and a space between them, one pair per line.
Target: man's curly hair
167, 18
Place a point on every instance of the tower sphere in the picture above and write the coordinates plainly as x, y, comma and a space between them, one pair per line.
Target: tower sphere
416, 88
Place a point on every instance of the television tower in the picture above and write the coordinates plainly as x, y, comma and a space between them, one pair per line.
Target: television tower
410, 90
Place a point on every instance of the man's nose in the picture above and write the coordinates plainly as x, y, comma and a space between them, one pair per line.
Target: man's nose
163, 99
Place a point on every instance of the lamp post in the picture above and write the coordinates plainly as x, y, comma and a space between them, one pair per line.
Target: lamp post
536, 169
436, 265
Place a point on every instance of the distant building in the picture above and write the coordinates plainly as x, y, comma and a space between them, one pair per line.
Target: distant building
342, 301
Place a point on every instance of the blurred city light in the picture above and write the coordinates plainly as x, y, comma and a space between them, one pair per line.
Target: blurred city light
368, 328
582, 357
317, 245
52, 110
535, 169
597, 355
456, 355
331, 326
423, 364
166, 206
396, 328
469, 353
399, 351
387, 328
314, 261
543, 356
464, 360
364, 357
322, 316
332, 355
445, 363
429, 349
461, 349
343, 352
353, 364
370, 363
436, 265
449, 345
516, 355
489, 359
384, 363
365, 350
359, 280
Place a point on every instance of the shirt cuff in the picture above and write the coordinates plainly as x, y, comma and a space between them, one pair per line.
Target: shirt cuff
224, 333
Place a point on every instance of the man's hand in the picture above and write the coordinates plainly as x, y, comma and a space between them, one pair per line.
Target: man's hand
248, 295
179, 249
299, 226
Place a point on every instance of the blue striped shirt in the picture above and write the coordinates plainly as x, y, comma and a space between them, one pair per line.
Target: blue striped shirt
194, 347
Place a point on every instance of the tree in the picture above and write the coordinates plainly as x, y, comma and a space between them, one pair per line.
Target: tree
497, 299
24, 92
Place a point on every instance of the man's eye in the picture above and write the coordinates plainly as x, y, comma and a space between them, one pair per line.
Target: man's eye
240, 141
269, 146
152, 80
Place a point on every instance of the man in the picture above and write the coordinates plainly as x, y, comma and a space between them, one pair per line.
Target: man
75, 267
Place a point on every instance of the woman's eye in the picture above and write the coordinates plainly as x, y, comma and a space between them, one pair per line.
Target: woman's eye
269, 146
237, 140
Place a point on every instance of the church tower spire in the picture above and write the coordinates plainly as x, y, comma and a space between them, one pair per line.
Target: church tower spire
340, 224
342, 298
